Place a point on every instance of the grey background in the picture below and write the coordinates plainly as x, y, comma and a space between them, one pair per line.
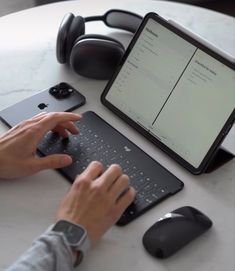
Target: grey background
224, 6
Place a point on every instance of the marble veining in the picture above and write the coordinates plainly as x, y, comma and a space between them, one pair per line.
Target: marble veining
28, 65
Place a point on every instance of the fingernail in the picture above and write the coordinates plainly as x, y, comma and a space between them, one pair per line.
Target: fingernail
66, 160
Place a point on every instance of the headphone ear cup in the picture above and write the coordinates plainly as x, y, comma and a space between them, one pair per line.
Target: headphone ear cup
62, 37
96, 56
76, 29
70, 28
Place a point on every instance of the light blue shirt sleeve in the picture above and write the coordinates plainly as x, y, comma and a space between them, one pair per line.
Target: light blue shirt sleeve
50, 252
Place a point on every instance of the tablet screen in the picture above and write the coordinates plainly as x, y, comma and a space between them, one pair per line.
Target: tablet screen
176, 91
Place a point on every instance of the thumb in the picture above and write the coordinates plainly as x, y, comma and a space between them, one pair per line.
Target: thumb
54, 161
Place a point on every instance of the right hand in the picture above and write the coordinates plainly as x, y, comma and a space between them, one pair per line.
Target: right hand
94, 199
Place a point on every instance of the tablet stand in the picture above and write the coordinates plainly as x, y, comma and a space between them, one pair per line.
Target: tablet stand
221, 157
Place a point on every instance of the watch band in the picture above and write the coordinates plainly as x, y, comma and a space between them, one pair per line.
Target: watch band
78, 259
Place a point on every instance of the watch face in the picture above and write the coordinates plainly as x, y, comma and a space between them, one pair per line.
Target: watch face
73, 233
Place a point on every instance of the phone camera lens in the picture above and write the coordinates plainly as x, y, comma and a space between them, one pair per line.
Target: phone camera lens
64, 93
61, 91
54, 90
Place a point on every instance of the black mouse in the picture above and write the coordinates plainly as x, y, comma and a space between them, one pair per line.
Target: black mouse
175, 230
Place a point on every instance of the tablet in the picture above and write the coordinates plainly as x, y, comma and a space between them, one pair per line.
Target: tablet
177, 90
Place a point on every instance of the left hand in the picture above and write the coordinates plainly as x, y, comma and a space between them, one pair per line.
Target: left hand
18, 146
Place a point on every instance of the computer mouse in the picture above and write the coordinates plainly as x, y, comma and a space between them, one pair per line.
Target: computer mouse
174, 230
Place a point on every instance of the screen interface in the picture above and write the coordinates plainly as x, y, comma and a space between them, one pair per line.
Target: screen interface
177, 92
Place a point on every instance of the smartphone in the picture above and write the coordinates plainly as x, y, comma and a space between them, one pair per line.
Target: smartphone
59, 98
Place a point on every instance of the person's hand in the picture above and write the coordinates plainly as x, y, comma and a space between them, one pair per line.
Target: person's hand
18, 146
96, 199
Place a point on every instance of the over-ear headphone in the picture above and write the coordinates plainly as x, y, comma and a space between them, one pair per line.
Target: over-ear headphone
93, 55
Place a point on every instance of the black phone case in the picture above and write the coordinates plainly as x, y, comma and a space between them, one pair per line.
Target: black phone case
44, 101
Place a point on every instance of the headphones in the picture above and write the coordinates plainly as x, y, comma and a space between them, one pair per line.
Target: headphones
93, 55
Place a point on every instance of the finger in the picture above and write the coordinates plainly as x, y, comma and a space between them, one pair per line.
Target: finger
26, 123
34, 119
46, 120
38, 116
63, 128
61, 131
52, 161
110, 176
51, 120
119, 187
127, 198
93, 171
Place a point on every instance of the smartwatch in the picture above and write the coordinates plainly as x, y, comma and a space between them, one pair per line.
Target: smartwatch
76, 236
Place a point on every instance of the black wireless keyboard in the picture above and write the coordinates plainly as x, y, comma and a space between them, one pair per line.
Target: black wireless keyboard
99, 141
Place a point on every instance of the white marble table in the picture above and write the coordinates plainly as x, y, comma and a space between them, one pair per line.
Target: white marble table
27, 206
